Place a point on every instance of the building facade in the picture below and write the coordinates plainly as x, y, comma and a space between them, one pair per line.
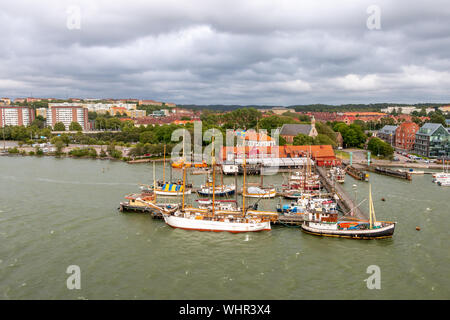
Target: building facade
387, 134
289, 131
432, 141
67, 114
405, 136
15, 116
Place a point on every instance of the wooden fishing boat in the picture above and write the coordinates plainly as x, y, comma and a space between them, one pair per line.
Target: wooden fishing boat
327, 224
146, 203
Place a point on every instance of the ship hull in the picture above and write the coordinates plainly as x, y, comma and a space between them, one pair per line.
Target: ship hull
215, 226
380, 233
218, 192
172, 193
265, 195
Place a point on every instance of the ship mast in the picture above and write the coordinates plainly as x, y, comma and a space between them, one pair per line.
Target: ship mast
184, 185
154, 180
372, 217
243, 187
164, 165
213, 163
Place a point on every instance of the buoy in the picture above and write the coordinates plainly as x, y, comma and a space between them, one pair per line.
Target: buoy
383, 199
418, 228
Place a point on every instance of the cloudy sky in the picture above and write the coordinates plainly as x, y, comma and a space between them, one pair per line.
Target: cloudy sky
227, 52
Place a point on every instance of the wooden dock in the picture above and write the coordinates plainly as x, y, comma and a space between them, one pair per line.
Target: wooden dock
290, 219
344, 201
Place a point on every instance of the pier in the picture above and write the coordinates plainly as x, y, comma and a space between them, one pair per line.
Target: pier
344, 201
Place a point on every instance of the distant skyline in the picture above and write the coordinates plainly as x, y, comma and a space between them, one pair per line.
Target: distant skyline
277, 53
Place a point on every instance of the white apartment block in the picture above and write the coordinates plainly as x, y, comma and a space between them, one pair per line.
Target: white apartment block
67, 113
405, 110
15, 116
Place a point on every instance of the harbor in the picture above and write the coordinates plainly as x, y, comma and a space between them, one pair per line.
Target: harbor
158, 262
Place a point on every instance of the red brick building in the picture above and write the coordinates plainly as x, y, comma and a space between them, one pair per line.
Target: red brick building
405, 136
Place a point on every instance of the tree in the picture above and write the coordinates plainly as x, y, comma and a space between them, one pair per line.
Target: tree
75, 126
437, 118
379, 147
303, 139
326, 130
323, 139
59, 126
353, 135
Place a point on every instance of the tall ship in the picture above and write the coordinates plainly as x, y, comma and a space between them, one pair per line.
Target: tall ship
327, 224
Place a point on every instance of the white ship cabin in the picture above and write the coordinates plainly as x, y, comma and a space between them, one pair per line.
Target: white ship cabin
323, 217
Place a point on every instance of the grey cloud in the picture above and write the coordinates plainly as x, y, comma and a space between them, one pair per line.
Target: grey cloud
237, 52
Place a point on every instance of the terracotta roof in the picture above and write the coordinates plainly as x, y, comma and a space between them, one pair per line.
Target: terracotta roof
317, 151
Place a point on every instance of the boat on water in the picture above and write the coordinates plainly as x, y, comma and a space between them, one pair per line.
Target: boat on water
258, 192
230, 205
182, 163
412, 171
327, 224
167, 189
146, 202
444, 183
308, 203
337, 174
220, 191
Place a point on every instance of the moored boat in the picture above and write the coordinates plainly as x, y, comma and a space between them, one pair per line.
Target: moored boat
257, 192
327, 224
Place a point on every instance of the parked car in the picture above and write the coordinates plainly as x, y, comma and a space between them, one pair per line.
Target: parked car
396, 159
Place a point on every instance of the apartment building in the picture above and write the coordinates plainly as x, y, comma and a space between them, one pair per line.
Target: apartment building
405, 136
15, 116
67, 113
387, 133
432, 141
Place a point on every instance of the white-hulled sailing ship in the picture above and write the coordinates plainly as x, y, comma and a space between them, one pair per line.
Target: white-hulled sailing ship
327, 224
214, 220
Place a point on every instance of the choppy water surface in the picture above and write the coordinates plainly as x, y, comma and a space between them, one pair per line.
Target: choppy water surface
60, 212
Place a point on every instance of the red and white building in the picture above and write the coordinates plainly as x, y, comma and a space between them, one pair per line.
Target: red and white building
405, 136
67, 114
15, 116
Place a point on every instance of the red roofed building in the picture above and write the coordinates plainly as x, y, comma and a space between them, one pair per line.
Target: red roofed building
323, 155
405, 136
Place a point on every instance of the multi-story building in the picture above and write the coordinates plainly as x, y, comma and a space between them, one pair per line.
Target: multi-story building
150, 102
15, 116
5, 101
137, 113
41, 112
405, 110
432, 141
387, 133
405, 136
67, 113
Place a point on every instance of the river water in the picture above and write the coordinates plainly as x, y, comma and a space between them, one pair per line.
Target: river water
60, 212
